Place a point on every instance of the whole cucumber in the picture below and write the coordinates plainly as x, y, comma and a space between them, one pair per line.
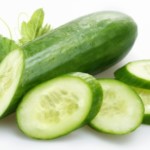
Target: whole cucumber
89, 44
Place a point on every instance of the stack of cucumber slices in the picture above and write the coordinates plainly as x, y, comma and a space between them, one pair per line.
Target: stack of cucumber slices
137, 75
65, 103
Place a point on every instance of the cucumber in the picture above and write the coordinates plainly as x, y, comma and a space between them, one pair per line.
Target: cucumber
145, 96
89, 44
136, 73
11, 69
121, 111
59, 106
98, 36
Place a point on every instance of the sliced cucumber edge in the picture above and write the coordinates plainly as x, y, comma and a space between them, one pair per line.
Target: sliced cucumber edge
92, 125
92, 110
124, 75
11, 104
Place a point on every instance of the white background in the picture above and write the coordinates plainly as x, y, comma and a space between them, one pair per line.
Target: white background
58, 12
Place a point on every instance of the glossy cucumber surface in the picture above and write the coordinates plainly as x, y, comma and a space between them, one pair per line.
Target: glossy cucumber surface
89, 44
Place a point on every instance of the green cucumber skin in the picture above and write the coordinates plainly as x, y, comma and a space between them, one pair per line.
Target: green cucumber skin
96, 91
146, 119
97, 96
123, 75
88, 44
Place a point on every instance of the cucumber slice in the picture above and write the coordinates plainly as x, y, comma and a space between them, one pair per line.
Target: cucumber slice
145, 96
121, 111
136, 73
10, 73
59, 106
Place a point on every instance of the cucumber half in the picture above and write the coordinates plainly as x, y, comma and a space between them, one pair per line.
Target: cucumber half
59, 106
145, 96
121, 111
136, 73
10, 73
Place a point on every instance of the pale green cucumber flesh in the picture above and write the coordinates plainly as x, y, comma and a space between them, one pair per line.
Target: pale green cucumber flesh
136, 73
121, 111
145, 96
140, 68
10, 74
57, 107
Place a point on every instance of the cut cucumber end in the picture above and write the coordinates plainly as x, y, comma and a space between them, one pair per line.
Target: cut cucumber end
57, 107
121, 111
10, 73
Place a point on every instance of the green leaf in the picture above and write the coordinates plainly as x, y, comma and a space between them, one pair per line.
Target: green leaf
6, 45
34, 27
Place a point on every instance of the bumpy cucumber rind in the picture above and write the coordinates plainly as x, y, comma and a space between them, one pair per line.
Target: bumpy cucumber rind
80, 45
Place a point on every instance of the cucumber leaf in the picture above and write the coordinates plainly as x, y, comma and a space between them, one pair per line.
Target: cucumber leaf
34, 27
6, 45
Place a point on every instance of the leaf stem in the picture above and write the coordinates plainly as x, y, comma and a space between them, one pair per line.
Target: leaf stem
7, 26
